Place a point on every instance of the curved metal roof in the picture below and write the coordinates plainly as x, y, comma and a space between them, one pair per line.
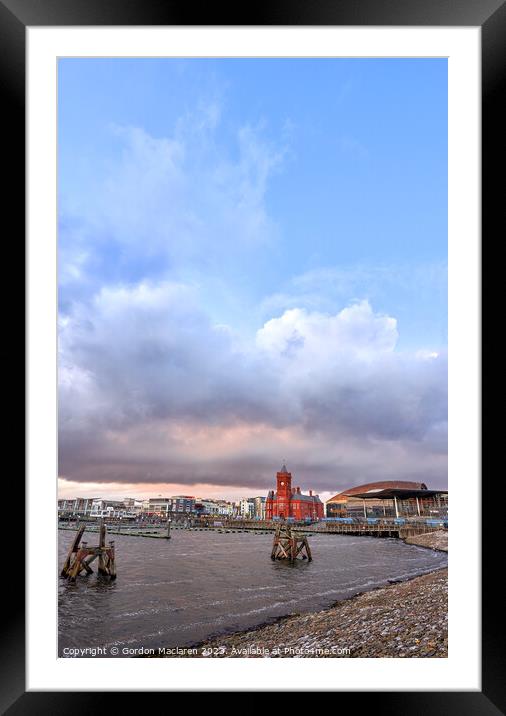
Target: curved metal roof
376, 487
402, 494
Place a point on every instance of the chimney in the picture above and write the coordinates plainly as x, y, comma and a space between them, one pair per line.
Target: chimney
310, 493
298, 490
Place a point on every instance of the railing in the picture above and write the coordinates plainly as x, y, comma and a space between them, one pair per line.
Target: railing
376, 528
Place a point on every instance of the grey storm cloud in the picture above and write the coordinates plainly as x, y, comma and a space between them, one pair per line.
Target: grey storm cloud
152, 391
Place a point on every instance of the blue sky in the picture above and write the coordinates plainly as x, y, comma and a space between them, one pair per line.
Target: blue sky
247, 190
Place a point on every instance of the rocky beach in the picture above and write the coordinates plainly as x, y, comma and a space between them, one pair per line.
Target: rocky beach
403, 619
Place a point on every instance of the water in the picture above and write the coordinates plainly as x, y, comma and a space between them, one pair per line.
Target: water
180, 591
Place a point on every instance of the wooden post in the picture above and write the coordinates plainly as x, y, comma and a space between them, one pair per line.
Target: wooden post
308, 551
274, 545
168, 528
84, 564
101, 544
77, 565
112, 561
73, 548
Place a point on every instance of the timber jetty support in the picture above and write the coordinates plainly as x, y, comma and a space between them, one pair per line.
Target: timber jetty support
80, 556
288, 546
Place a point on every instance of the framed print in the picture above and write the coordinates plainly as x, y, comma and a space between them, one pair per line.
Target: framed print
253, 357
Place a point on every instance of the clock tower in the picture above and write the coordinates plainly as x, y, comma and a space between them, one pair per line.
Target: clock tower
284, 492
290, 503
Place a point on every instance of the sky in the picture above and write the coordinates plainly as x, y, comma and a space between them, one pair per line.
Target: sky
252, 270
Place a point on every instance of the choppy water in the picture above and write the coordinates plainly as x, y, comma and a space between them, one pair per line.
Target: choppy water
180, 591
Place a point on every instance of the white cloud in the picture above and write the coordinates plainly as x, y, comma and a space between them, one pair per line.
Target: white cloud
181, 201
318, 339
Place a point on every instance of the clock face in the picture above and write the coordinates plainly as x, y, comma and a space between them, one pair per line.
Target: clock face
282, 484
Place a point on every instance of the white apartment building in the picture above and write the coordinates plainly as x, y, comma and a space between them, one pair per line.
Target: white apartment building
81, 506
134, 505
259, 503
226, 509
180, 504
247, 508
110, 509
216, 507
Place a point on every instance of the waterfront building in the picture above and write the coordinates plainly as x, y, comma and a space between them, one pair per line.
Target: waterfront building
159, 506
389, 498
259, 503
214, 507
94, 508
75, 507
183, 504
247, 508
226, 509
110, 509
177, 505
209, 507
133, 505
289, 502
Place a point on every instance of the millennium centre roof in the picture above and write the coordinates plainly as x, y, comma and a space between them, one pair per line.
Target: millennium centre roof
387, 489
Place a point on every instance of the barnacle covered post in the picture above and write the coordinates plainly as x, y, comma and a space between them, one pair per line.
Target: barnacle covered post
287, 545
80, 556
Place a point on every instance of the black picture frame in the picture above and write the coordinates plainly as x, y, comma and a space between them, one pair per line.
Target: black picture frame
15, 17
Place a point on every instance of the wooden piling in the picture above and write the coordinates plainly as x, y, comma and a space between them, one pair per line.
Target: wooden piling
287, 545
101, 544
73, 548
80, 556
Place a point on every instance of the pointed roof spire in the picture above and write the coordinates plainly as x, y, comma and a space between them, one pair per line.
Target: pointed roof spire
283, 469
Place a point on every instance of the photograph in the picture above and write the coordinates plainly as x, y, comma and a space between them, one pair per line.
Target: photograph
252, 278
254, 247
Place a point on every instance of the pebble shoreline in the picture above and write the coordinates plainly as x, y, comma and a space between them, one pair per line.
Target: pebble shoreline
404, 619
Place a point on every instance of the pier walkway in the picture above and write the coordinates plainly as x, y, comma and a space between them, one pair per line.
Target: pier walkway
381, 529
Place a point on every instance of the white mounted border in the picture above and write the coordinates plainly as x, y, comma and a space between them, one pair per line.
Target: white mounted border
461, 671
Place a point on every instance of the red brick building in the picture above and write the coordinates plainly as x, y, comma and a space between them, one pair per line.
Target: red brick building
289, 501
